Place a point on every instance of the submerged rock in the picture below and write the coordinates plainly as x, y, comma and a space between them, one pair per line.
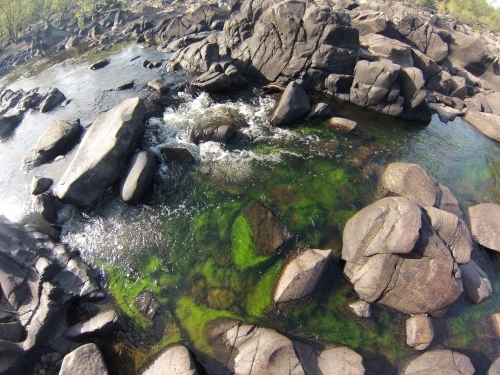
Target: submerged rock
159, 85
486, 123
302, 274
485, 225
342, 123
56, 140
100, 64
175, 360
293, 104
85, 360
439, 362
103, 153
419, 332
177, 154
222, 134
138, 176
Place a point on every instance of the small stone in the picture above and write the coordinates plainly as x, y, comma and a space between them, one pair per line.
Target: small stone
45, 358
361, 308
419, 332
495, 319
342, 123
145, 63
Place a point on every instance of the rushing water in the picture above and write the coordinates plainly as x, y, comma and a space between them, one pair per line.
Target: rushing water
184, 241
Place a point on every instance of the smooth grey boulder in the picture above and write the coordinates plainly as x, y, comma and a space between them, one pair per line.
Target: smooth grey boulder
138, 176
53, 99
100, 325
103, 153
11, 354
390, 248
174, 360
85, 360
486, 123
56, 140
320, 111
159, 85
329, 360
100, 64
362, 309
375, 47
419, 332
294, 103
476, 282
247, 349
453, 231
442, 82
214, 82
8, 122
302, 274
222, 134
495, 367
45, 206
485, 225
439, 362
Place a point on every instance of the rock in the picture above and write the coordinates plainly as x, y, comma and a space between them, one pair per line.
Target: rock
152, 110
493, 101
302, 274
100, 64
448, 202
73, 41
100, 325
410, 181
390, 248
485, 225
53, 99
293, 104
30, 100
476, 282
145, 63
103, 153
237, 79
495, 320
56, 140
45, 206
320, 111
40, 185
147, 304
469, 53
85, 360
473, 105
138, 176
446, 114
178, 155
247, 349
175, 360
419, 332
214, 82
427, 66
362, 309
415, 106
222, 134
9, 122
339, 85
368, 21
125, 86
442, 82
439, 362
159, 85
269, 233
11, 353
376, 47
342, 123
13, 332
453, 231
9, 99
495, 367
328, 360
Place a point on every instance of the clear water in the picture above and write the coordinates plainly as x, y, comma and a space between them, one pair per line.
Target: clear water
182, 242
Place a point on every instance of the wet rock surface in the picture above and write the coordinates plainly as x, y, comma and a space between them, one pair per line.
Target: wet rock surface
138, 176
440, 362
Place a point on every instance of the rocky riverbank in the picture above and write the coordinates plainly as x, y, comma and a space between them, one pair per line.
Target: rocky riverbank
410, 250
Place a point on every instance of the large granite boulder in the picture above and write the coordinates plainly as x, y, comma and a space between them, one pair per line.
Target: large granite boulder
486, 123
138, 176
85, 360
103, 153
439, 362
485, 225
56, 140
174, 360
390, 248
293, 104
302, 274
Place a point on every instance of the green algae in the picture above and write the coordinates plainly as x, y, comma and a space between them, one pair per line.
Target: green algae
260, 298
243, 245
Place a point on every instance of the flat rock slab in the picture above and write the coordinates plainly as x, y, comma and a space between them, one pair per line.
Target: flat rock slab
342, 123
486, 123
440, 362
100, 64
485, 225
477, 285
419, 332
101, 324
302, 274
175, 360
85, 360
294, 103
159, 85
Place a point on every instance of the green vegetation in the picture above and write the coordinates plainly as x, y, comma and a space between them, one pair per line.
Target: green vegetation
261, 297
243, 245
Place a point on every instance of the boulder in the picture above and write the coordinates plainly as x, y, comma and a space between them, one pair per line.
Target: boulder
453, 231
177, 155
495, 367
237, 79
9, 99
446, 114
138, 176
495, 321
415, 107
100, 64
174, 360
362, 309
342, 123
322, 359
320, 111
293, 104
56, 140
339, 85
8, 122
53, 99
368, 21
125, 86
100, 325
13, 332
427, 66
103, 153
439, 362
485, 225
390, 248
442, 82
222, 134
302, 274
374, 47
470, 53
147, 304
87, 359
30, 100
40, 185
73, 41
214, 82
476, 282
11, 354
419, 332
45, 206
493, 101
159, 85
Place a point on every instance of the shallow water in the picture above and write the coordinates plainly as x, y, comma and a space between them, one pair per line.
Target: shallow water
188, 241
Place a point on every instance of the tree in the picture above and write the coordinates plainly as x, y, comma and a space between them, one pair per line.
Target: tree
14, 14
